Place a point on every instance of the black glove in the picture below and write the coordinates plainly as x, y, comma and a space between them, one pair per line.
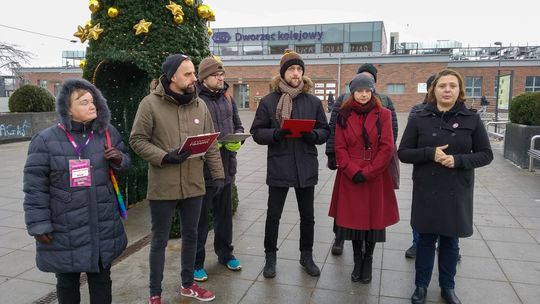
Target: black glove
174, 157
332, 162
309, 137
218, 185
279, 134
358, 178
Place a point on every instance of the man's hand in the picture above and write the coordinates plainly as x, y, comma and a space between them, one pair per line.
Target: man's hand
44, 238
113, 155
233, 146
219, 184
174, 157
279, 134
309, 137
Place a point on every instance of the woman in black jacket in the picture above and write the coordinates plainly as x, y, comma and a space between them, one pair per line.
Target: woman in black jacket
445, 142
70, 205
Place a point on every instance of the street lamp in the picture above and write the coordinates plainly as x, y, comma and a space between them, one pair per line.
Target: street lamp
498, 81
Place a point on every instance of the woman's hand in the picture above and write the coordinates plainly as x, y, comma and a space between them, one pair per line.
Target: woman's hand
113, 155
439, 154
448, 161
44, 238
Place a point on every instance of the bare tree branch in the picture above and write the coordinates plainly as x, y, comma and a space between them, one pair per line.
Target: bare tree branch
12, 57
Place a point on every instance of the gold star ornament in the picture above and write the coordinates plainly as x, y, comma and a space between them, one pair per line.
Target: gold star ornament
94, 32
81, 33
142, 27
174, 8
82, 64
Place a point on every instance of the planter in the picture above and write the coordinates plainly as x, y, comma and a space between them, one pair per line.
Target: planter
517, 140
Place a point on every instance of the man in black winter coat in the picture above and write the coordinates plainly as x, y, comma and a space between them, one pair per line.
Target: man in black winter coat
369, 70
291, 162
218, 198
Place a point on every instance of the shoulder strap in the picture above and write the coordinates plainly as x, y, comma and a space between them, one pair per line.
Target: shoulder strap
108, 136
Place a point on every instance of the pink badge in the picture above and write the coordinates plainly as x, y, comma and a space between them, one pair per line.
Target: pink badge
79, 173
455, 125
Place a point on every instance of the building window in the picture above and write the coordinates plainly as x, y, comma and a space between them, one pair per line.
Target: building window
42, 83
473, 86
395, 88
278, 49
229, 51
57, 86
332, 48
253, 50
361, 47
532, 84
305, 49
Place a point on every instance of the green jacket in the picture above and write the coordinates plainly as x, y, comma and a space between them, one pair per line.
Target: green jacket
161, 125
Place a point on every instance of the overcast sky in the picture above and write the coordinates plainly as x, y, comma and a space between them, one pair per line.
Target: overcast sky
474, 23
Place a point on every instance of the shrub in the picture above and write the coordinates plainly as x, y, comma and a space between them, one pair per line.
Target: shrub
525, 109
31, 98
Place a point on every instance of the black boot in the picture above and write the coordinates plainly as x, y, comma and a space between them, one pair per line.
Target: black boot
306, 260
367, 263
356, 275
270, 265
419, 295
449, 295
337, 248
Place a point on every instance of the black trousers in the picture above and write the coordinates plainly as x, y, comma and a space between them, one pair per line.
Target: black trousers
276, 201
162, 212
220, 205
99, 287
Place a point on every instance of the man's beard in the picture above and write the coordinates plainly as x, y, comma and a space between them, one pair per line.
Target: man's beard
190, 89
294, 82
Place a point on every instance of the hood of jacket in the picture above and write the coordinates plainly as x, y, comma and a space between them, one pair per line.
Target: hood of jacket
308, 84
62, 104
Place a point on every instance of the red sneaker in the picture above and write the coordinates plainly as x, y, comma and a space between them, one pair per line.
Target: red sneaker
197, 292
154, 300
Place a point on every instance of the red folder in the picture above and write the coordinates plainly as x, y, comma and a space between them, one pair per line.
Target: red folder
198, 144
297, 126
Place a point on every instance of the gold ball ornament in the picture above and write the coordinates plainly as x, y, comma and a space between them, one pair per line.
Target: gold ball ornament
178, 19
112, 12
142, 27
82, 64
202, 11
211, 16
94, 32
188, 2
210, 32
88, 25
174, 8
94, 6
81, 33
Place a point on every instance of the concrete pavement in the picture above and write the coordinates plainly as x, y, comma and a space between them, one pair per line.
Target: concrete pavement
501, 261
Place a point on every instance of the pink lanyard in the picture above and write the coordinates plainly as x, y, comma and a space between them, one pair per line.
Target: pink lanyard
78, 149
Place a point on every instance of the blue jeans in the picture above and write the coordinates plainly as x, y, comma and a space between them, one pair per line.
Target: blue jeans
415, 237
447, 260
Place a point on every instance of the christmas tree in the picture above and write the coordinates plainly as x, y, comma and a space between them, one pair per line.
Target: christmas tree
128, 41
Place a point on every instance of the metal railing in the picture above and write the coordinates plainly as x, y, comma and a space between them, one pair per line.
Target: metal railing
533, 153
499, 128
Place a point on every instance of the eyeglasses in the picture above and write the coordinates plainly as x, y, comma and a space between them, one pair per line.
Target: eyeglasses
218, 75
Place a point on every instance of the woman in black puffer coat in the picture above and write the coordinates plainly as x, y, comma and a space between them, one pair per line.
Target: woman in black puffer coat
75, 219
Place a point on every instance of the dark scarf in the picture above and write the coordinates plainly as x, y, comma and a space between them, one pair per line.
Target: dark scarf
288, 93
364, 109
182, 99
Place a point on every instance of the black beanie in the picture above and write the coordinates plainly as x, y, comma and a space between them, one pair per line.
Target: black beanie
171, 64
370, 68
361, 81
289, 58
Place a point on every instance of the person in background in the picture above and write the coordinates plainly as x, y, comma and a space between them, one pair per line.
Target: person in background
164, 119
445, 143
363, 200
212, 89
291, 162
369, 70
330, 102
69, 205
484, 103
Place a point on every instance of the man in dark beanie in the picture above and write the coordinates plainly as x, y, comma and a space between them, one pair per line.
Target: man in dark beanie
291, 162
212, 89
165, 118
370, 70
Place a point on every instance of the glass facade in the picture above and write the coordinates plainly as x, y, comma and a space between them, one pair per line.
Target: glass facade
473, 86
358, 37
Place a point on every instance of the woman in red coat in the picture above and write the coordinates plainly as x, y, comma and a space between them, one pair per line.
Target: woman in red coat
363, 200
